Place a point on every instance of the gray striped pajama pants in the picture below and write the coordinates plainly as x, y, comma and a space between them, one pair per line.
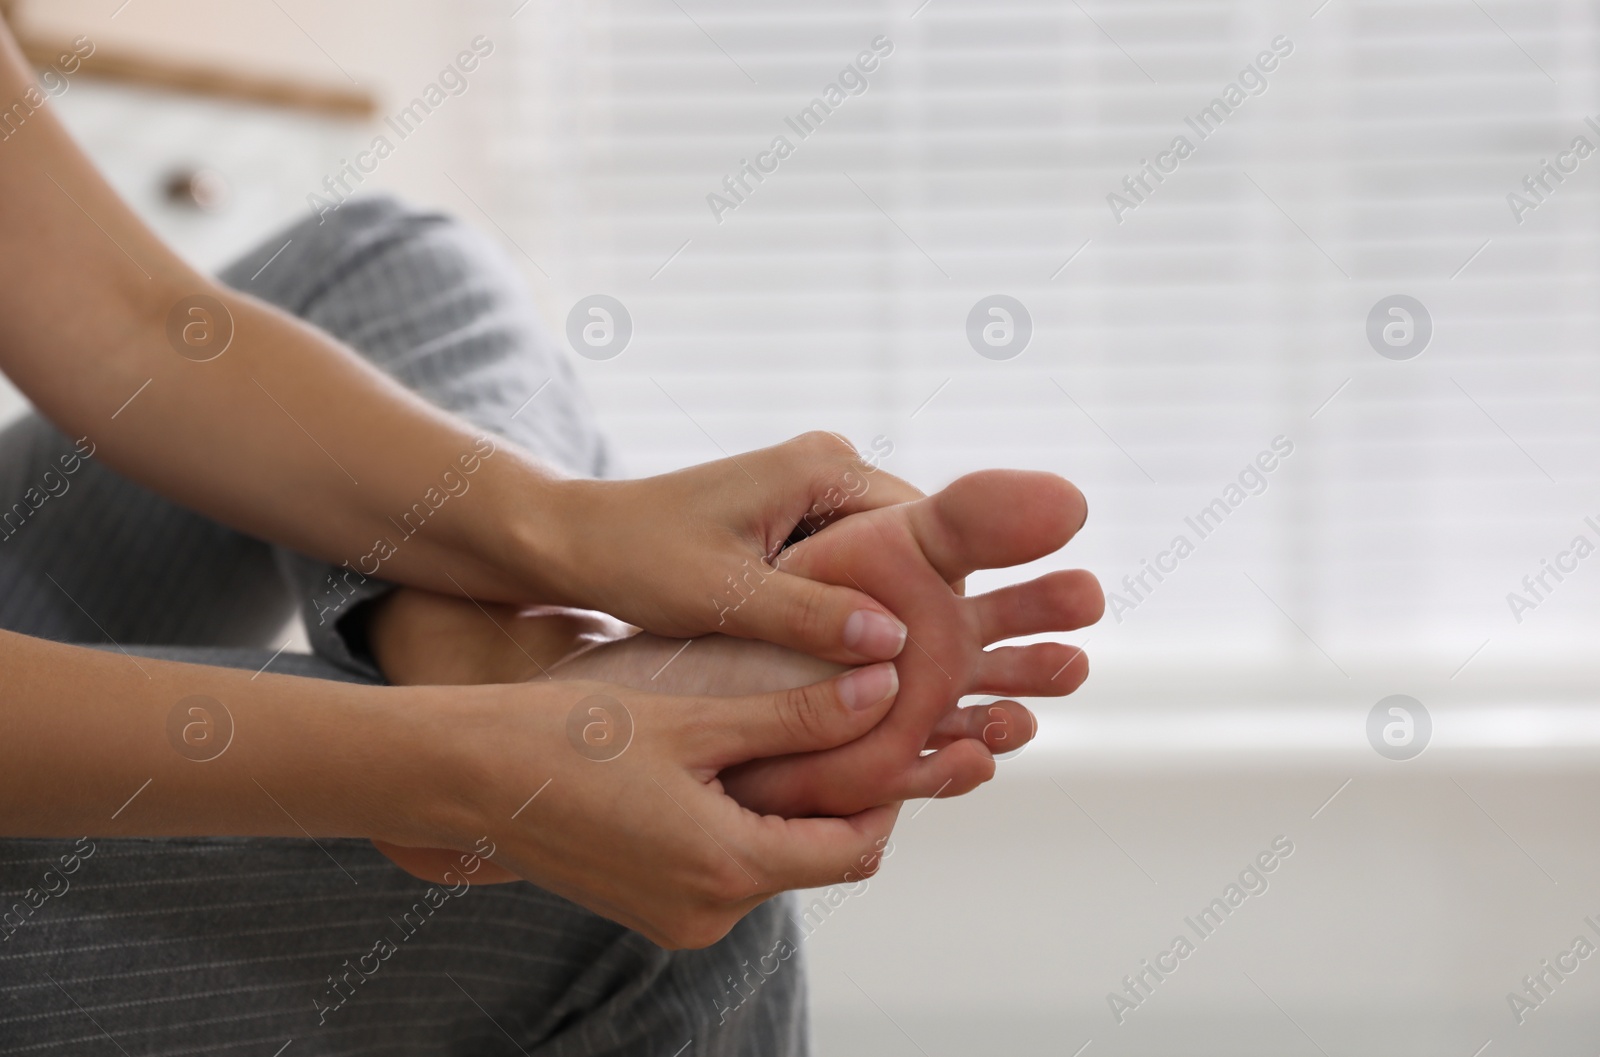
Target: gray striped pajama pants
250, 946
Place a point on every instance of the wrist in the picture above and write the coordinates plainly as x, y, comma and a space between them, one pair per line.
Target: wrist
554, 536
472, 755
396, 767
527, 530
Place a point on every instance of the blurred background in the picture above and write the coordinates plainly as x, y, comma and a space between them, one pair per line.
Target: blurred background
986, 250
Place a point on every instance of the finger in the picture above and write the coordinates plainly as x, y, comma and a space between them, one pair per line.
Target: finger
1043, 669
733, 730
839, 482
994, 519
834, 465
838, 624
1004, 726
816, 852
1060, 601
883, 489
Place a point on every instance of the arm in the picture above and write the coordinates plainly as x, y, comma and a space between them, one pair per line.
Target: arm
646, 838
287, 435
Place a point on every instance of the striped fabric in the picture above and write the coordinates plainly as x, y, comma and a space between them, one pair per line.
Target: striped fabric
265, 946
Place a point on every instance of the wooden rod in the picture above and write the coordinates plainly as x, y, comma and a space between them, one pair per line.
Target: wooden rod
110, 64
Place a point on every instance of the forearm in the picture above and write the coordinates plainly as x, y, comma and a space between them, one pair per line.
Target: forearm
261, 422
95, 742
284, 434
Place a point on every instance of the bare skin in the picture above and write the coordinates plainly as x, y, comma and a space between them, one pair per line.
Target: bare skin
908, 556
285, 434
649, 839
912, 553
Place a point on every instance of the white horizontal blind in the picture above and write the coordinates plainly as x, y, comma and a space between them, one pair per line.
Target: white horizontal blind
1227, 309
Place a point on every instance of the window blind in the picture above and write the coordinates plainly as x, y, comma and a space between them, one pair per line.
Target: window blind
1173, 342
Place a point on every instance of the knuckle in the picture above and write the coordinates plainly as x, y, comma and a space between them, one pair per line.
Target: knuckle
726, 883
700, 929
677, 934
719, 879
819, 442
810, 618
804, 713
698, 726
708, 907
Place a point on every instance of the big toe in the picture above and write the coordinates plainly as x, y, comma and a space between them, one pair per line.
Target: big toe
994, 519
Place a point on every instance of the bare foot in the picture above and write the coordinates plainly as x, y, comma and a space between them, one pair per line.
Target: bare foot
421, 638
726, 666
906, 557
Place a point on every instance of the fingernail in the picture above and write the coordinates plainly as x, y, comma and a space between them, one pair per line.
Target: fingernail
866, 687
872, 634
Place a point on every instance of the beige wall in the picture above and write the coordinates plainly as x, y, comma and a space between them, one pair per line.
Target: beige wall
272, 157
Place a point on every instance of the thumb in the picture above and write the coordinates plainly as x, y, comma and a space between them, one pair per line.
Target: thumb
805, 719
837, 624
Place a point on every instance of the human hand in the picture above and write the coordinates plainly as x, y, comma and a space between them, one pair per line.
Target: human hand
688, 553
647, 837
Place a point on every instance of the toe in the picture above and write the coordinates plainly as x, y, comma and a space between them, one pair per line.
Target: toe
994, 519
1043, 669
958, 768
1004, 726
1058, 601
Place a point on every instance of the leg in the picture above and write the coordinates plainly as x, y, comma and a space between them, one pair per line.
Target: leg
440, 309
88, 556
184, 946
243, 939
